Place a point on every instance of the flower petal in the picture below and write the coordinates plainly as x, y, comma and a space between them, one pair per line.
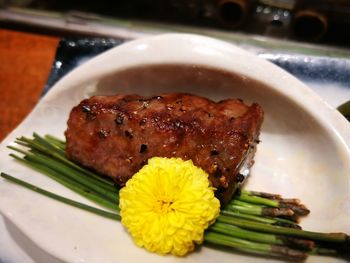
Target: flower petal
167, 205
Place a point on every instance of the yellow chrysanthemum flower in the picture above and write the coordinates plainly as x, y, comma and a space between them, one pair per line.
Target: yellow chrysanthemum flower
167, 205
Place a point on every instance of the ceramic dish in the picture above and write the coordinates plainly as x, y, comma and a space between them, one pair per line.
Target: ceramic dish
304, 150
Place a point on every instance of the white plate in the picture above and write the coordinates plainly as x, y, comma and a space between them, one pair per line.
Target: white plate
304, 150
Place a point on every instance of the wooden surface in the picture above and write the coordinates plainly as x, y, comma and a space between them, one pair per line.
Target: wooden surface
25, 63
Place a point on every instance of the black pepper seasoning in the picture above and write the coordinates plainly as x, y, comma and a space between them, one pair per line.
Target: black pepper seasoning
103, 133
129, 134
119, 120
86, 108
214, 152
143, 148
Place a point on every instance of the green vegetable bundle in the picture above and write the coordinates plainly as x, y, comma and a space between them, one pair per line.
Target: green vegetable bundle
252, 222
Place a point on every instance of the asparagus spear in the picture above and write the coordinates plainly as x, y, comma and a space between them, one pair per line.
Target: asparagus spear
267, 220
41, 162
244, 207
264, 195
253, 247
293, 204
262, 237
76, 187
327, 237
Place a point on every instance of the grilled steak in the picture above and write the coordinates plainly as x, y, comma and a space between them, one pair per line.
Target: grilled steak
116, 135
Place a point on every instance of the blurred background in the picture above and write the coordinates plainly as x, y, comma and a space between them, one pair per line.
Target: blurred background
42, 40
325, 22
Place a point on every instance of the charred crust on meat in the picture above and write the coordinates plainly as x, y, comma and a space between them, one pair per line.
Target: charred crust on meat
218, 172
143, 148
130, 98
214, 136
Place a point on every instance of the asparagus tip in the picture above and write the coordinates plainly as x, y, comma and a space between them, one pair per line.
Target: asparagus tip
298, 243
268, 211
299, 209
286, 224
294, 201
290, 253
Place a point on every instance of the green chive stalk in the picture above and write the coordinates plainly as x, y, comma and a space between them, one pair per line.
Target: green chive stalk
56, 141
67, 171
292, 204
262, 219
72, 185
115, 215
254, 247
246, 208
271, 196
262, 237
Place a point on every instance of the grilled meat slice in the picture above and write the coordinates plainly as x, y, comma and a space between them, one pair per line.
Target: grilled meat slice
116, 135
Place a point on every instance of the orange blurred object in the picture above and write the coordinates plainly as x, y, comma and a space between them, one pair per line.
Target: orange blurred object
25, 63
